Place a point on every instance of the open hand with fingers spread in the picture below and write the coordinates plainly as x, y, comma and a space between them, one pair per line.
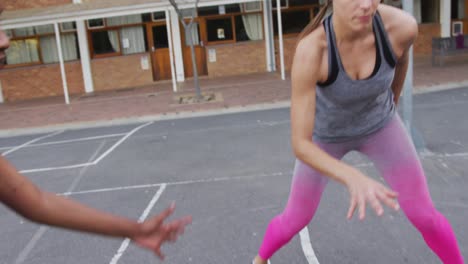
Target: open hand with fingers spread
363, 190
154, 232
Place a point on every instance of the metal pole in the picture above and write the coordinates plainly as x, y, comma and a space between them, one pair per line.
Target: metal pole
280, 38
407, 100
270, 57
62, 66
171, 52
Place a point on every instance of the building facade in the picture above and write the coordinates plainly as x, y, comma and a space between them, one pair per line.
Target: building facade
110, 45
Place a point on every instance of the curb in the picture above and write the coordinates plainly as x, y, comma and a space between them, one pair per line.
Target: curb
439, 87
142, 119
191, 114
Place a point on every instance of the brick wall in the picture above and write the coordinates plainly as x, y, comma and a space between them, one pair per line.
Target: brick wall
120, 72
24, 4
237, 59
289, 45
45, 80
40, 81
423, 44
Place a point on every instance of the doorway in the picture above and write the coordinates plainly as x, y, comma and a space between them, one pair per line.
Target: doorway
158, 43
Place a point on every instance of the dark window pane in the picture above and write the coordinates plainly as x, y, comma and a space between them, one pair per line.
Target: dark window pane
92, 23
159, 16
160, 37
219, 29
105, 42
429, 11
302, 2
232, 8
458, 9
146, 17
208, 10
293, 22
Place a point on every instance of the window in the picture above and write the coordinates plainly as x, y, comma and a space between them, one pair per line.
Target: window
68, 26
251, 7
241, 22
37, 45
293, 22
96, 23
296, 16
105, 42
160, 39
208, 10
458, 9
249, 27
430, 11
232, 8
120, 35
427, 11
293, 3
25, 51
158, 16
219, 10
219, 29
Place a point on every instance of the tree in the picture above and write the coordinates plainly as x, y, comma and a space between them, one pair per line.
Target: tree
188, 28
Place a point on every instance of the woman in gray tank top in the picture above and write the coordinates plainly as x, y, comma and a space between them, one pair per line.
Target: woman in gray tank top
347, 75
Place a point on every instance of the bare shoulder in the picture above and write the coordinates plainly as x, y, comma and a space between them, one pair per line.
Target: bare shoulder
313, 44
310, 52
401, 27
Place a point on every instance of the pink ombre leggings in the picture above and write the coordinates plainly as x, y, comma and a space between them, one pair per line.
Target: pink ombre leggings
392, 151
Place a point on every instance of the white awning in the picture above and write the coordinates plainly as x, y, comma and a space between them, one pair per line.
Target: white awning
92, 9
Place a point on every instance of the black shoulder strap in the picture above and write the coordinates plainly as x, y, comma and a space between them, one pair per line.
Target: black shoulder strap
332, 59
386, 46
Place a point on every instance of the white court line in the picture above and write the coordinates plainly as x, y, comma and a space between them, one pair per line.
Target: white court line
69, 141
93, 162
174, 183
32, 243
145, 214
120, 142
39, 233
307, 246
463, 154
30, 142
57, 168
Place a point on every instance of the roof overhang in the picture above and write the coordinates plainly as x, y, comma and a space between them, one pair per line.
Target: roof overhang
94, 9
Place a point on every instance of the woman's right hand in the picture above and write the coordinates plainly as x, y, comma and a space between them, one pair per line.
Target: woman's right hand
363, 190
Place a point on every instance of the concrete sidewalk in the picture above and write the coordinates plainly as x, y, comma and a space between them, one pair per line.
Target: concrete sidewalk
158, 101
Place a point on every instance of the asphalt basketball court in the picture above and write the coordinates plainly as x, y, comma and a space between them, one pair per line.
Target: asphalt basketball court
232, 174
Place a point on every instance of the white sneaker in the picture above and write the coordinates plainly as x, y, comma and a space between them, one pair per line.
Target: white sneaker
253, 262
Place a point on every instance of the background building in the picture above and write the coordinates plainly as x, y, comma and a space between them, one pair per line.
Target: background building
110, 45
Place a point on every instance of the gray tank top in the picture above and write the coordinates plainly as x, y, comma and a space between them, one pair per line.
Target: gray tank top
348, 109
